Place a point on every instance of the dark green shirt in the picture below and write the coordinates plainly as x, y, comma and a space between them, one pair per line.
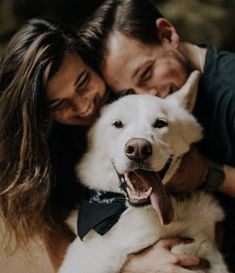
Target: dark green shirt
215, 110
215, 107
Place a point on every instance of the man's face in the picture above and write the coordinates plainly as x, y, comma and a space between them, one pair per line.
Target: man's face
158, 69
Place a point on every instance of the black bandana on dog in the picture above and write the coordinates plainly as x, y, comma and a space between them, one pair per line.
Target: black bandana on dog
99, 210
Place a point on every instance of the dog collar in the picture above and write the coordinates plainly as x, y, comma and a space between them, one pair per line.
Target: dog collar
99, 210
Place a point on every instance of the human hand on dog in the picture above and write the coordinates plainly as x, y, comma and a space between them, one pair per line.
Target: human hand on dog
159, 259
190, 174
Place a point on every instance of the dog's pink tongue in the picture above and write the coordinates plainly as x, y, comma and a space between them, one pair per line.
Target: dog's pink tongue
161, 203
159, 198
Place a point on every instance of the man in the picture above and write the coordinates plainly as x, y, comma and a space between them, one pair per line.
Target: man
137, 50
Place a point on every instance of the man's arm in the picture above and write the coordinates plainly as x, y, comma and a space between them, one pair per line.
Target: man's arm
193, 172
228, 185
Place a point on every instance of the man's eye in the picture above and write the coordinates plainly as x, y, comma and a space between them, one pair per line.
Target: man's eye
118, 124
146, 74
160, 123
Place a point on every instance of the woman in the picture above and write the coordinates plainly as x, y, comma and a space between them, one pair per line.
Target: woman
44, 87
48, 97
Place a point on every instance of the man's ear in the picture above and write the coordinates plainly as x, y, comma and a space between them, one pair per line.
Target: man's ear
187, 94
167, 32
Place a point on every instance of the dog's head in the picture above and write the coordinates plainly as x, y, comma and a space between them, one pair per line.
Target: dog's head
135, 142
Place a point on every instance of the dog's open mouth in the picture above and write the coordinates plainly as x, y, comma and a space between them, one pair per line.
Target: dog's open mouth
138, 189
144, 187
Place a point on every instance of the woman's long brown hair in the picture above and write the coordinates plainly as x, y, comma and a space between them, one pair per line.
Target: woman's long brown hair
31, 58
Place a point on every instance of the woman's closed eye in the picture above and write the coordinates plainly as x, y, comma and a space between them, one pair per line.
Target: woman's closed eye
84, 81
57, 106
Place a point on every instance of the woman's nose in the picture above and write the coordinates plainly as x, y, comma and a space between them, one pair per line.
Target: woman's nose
79, 104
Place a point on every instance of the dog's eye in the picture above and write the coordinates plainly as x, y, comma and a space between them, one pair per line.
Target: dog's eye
160, 123
118, 124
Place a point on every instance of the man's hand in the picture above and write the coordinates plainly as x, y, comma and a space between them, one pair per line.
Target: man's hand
159, 259
190, 174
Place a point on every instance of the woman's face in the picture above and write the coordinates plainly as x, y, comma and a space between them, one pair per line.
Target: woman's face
75, 92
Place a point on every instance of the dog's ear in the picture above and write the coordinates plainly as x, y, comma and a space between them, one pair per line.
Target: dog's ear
187, 94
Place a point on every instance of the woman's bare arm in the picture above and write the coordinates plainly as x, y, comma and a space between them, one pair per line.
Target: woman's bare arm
56, 244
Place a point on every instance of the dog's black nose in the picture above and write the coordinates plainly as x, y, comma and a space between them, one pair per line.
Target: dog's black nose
138, 149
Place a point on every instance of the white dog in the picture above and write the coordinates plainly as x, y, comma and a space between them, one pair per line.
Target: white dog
137, 140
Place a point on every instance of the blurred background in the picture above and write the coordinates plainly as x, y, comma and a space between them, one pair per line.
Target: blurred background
210, 21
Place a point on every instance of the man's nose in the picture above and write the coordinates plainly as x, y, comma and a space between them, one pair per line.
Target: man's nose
162, 93
153, 92
148, 91
140, 90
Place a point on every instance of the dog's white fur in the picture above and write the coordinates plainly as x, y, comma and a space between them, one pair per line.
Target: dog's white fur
138, 227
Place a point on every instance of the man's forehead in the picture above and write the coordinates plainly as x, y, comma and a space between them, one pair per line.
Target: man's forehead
121, 45
124, 56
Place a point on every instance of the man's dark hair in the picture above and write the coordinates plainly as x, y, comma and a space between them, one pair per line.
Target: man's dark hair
134, 18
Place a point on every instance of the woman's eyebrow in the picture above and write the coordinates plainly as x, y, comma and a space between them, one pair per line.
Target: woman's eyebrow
77, 84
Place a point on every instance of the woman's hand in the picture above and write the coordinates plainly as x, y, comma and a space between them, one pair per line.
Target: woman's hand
159, 259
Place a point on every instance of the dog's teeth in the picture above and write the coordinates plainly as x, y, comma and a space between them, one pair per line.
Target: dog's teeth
133, 195
128, 182
148, 193
129, 192
136, 196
